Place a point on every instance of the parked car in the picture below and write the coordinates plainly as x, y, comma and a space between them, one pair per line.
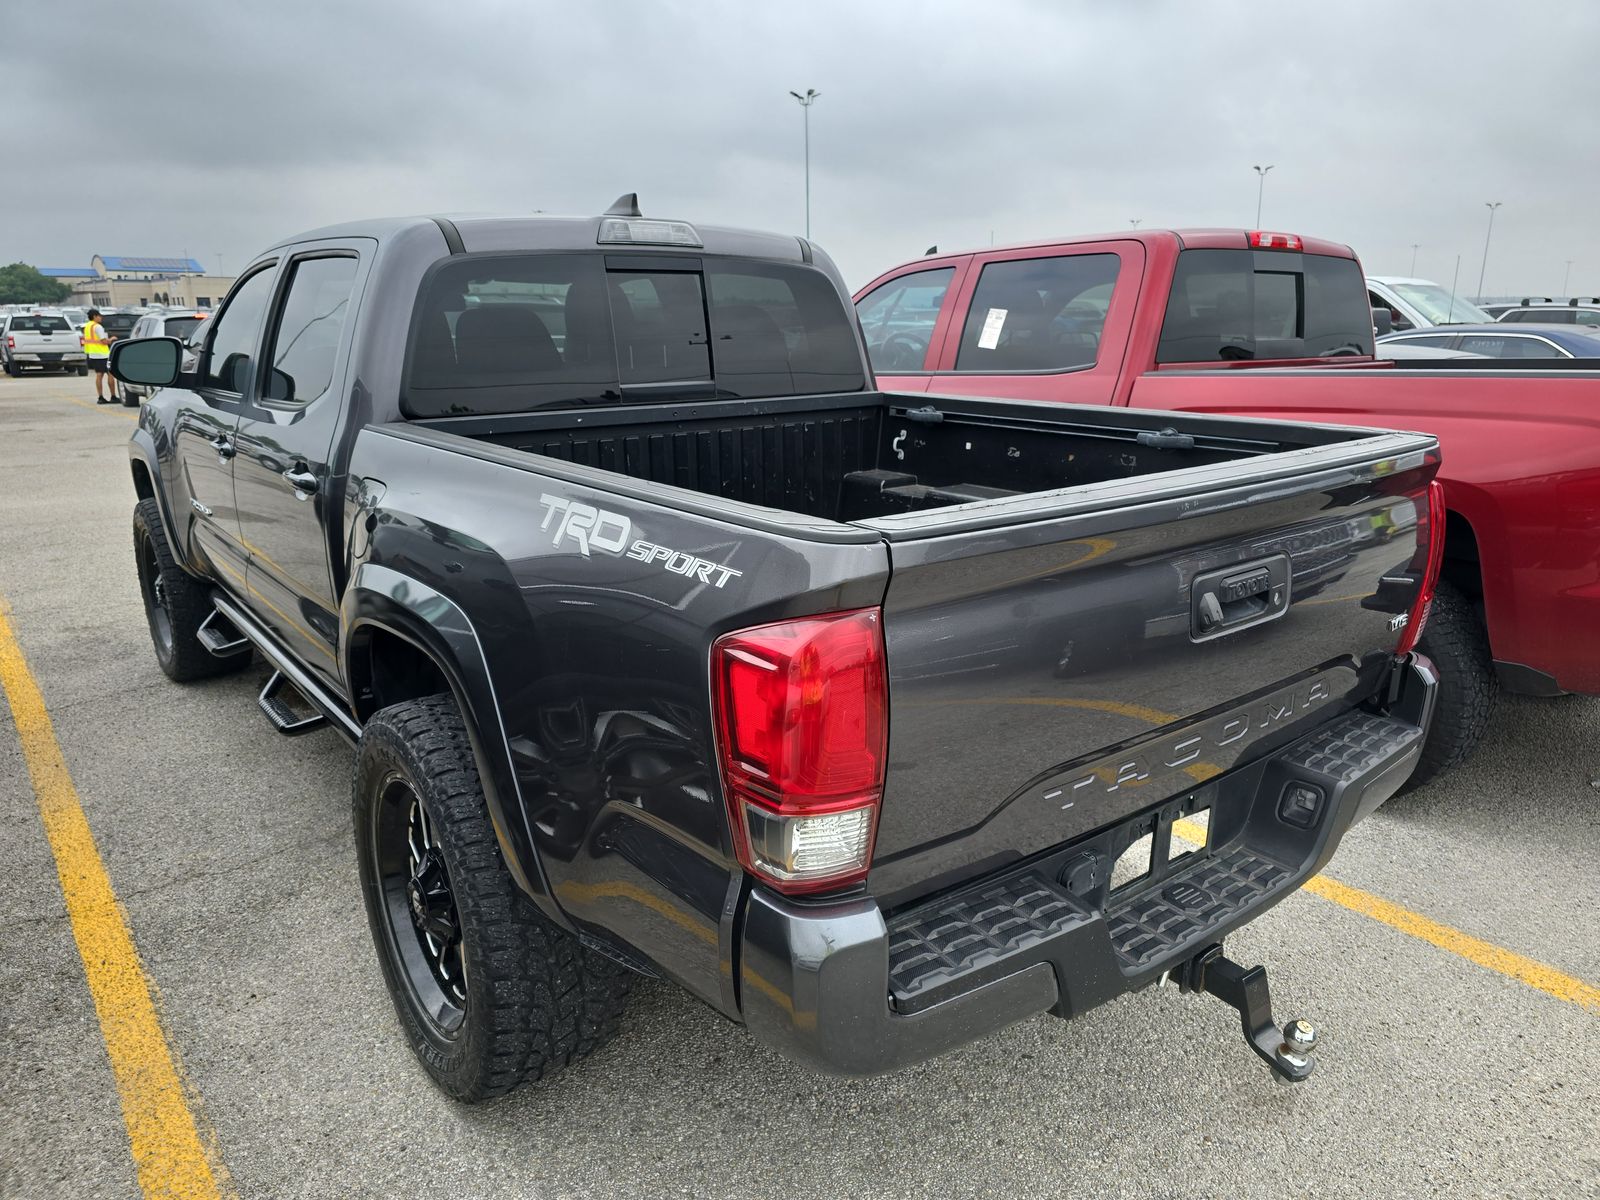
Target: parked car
1584, 311
1191, 320
623, 631
179, 323
1494, 311
41, 339
1420, 303
119, 323
1388, 348
1495, 340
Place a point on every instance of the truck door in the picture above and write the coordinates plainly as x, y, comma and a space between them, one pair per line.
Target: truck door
207, 420
289, 506
1043, 325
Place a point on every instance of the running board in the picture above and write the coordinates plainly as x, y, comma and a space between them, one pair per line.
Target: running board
316, 694
221, 637
284, 719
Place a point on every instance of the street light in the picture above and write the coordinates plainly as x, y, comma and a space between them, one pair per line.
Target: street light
1134, 221
1415, 246
1261, 186
1491, 205
806, 102
1565, 277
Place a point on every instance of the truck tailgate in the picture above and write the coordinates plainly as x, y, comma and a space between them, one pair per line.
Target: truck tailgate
1060, 661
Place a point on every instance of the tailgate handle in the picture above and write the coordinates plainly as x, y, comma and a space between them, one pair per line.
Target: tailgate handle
1240, 596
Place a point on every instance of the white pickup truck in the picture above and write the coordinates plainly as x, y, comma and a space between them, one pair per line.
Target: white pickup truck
44, 340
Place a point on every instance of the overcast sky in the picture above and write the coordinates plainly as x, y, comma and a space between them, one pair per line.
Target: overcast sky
217, 127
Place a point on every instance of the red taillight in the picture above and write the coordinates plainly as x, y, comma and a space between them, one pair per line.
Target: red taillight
11, 342
1417, 618
1260, 239
802, 731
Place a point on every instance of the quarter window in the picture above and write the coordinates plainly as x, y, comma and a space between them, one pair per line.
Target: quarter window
1038, 314
229, 360
306, 340
897, 318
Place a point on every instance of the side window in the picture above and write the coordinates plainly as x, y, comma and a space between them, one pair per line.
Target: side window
1441, 340
1586, 316
897, 318
306, 339
1038, 314
233, 338
660, 322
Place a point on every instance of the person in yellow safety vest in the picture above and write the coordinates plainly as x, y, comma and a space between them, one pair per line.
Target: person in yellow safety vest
97, 348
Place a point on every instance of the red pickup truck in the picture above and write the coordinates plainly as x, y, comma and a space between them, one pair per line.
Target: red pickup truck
1276, 325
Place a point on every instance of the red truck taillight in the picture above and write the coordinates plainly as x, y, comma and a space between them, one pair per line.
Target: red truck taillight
11, 342
802, 723
1417, 619
1260, 239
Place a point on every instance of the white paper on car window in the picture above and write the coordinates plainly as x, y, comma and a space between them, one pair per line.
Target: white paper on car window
992, 325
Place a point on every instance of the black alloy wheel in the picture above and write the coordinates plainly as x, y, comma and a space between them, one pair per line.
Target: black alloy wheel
419, 905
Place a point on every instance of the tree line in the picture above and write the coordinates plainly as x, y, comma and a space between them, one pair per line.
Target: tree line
22, 284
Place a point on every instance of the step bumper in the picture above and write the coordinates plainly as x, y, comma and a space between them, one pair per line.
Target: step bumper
848, 991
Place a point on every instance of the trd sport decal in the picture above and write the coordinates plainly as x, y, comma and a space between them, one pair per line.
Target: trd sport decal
591, 529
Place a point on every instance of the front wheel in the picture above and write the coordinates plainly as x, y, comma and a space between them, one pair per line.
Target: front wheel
81, 370
175, 603
490, 993
1457, 642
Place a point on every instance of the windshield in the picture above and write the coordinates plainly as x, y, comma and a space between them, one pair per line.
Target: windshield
1436, 304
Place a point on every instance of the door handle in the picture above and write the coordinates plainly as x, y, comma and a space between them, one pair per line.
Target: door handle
303, 481
223, 446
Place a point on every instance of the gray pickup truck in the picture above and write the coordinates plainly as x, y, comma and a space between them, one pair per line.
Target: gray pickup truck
671, 647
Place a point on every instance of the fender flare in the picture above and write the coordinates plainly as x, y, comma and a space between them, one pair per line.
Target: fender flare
380, 597
142, 450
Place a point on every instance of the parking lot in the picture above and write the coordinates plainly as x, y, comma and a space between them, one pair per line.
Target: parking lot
1450, 963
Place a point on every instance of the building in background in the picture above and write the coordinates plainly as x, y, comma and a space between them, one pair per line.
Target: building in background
119, 281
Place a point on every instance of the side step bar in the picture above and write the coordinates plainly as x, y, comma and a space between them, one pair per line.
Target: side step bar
219, 635
284, 719
328, 706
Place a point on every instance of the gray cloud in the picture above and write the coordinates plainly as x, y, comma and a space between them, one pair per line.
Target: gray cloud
218, 128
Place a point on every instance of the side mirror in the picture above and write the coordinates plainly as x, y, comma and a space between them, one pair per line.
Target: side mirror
150, 362
1382, 321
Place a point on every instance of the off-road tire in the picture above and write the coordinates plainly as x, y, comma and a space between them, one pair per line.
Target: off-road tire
185, 599
536, 999
1457, 642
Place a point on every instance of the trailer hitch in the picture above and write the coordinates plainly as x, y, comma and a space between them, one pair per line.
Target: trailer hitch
1288, 1050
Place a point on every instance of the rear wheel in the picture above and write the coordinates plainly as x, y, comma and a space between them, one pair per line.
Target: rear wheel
12, 369
81, 370
175, 604
1457, 642
490, 993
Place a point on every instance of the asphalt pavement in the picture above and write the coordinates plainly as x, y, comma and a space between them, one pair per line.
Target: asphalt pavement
229, 850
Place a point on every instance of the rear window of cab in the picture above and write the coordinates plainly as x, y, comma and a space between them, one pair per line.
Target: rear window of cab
1264, 304
509, 333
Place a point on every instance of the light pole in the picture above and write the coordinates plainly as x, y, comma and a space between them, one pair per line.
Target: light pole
806, 102
1415, 246
1566, 276
1261, 186
1134, 221
1491, 205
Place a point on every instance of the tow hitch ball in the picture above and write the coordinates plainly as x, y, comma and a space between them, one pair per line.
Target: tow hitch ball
1288, 1050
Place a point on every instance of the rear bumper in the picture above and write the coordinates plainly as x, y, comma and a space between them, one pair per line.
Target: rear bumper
846, 990
35, 358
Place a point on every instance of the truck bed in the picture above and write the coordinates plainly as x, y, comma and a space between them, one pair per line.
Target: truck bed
861, 457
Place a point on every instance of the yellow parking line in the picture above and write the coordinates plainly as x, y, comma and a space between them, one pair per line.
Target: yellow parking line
1485, 954
166, 1144
1475, 950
